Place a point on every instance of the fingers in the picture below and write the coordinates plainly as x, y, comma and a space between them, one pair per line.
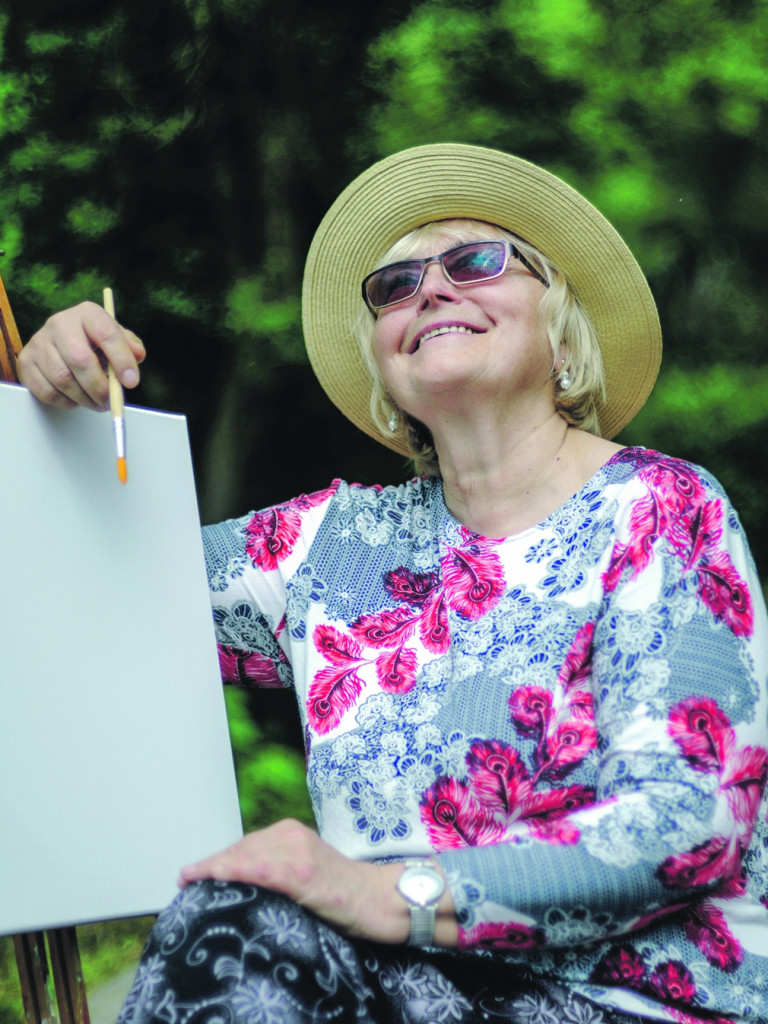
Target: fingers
275, 857
64, 363
358, 897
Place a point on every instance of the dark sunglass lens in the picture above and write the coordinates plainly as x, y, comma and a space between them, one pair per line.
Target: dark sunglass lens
393, 284
477, 261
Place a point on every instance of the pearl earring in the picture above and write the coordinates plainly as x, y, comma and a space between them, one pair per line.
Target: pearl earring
565, 380
392, 424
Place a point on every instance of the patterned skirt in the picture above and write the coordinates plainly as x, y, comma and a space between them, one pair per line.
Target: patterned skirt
225, 953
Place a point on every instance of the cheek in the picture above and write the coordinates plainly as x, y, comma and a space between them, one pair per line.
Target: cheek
387, 338
385, 346
381, 347
539, 331
540, 328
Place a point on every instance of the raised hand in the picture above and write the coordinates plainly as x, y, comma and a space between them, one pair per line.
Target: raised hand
357, 897
64, 363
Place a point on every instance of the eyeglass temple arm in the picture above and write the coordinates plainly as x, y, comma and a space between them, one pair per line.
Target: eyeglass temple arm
528, 265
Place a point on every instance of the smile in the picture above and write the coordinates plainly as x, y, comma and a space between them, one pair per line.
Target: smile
445, 329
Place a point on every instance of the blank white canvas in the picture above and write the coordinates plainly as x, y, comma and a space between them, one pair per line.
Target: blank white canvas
115, 761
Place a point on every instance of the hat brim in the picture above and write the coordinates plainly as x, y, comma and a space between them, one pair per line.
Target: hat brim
453, 180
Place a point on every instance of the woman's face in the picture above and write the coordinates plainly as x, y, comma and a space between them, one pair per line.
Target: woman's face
484, 342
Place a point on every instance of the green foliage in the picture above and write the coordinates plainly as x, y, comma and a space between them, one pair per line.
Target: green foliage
109, 947
271, 327
425, 68
40, 43
91, 219
11, 1008
192, 180
43, 279
271, 779
722, 399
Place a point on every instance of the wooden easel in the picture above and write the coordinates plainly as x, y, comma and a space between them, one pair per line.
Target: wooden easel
60, 958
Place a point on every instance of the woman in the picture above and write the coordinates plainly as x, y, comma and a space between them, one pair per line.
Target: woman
536, 673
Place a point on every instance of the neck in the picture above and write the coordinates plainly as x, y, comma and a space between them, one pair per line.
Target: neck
499, 483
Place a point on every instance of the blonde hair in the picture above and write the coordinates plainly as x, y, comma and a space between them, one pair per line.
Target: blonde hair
566, 323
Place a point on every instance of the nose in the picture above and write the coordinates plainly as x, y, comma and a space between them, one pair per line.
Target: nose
436, 286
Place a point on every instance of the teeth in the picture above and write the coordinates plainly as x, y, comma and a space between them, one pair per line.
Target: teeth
457, 329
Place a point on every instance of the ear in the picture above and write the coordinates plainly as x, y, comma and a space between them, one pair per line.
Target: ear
561, 358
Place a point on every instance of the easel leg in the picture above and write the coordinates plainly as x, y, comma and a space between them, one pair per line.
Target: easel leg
68, 976
34, 973
32, 963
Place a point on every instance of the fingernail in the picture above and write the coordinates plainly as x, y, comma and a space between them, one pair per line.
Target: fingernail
130, 378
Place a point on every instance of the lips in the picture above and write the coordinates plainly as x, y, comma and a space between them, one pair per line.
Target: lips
434, 332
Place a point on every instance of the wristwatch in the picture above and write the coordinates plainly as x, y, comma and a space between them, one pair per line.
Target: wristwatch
422, 885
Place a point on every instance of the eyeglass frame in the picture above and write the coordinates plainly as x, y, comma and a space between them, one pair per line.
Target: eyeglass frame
511, 250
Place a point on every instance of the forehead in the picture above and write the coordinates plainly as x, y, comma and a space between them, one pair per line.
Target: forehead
437, 236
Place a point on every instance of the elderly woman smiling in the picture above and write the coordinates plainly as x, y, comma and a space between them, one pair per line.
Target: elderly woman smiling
532, 679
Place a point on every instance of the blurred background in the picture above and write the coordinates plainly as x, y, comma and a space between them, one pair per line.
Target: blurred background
184, 151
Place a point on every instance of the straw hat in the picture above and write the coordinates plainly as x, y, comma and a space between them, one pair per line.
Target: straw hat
451, 180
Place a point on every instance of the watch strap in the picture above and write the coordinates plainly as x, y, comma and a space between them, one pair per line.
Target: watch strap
422, 925
423, 915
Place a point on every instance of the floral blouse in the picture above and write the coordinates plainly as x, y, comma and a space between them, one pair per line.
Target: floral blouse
573, 719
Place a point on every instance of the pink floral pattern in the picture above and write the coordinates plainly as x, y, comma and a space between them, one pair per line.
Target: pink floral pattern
455, 816
502, 935
670, 981
501, 794
624, 966
473, 576
335, 688
676, 509
272, 534
706, 739
470, 583
247, 668
707, 928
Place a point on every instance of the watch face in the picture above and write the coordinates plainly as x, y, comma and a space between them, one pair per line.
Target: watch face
421, 885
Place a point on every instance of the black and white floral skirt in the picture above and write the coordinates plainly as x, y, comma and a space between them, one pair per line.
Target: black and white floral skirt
225, 953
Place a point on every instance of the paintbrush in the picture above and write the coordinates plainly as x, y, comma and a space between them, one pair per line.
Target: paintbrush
116, 406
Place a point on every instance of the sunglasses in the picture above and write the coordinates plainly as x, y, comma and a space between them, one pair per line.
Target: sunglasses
471, 263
